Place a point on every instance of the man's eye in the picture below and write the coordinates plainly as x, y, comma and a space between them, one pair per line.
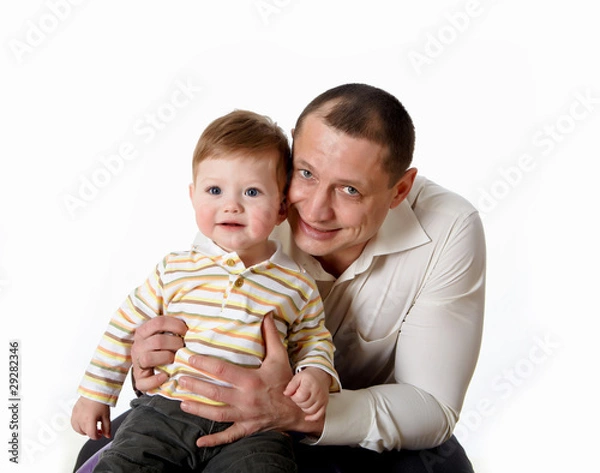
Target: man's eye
252, 192
351, 190
214, 190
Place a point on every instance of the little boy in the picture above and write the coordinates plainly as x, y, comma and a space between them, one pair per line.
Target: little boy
222, 288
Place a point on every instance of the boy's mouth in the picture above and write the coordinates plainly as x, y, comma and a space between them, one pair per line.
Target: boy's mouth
231, 224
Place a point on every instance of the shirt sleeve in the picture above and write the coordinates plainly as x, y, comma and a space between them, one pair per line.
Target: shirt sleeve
436, 355
309, 341
111, 361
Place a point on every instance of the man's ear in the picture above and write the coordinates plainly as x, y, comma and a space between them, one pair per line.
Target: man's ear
403, 186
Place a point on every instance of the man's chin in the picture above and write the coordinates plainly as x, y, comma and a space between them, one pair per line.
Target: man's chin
312, 246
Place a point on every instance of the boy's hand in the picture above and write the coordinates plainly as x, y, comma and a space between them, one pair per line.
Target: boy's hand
86, 416
309, 389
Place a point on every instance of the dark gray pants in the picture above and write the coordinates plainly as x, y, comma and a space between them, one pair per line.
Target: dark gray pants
449, 457
158, 436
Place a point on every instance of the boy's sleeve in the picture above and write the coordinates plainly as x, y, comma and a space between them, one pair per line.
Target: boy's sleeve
309, 341
111, 361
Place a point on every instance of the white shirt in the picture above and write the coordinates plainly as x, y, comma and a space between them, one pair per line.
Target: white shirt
406, 319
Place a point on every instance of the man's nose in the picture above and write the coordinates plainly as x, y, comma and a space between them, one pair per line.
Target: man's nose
318, 206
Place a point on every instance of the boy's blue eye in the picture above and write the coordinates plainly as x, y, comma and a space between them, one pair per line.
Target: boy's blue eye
214, 190
252, 192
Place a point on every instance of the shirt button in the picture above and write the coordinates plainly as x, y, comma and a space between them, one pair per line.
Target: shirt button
230, 262
238, 282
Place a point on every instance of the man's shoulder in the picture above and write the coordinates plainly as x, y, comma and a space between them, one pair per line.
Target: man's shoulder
428, 197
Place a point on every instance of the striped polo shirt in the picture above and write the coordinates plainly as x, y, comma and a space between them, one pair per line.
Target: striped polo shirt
223, 304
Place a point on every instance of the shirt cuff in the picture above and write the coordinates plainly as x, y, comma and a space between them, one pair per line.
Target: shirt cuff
348, 419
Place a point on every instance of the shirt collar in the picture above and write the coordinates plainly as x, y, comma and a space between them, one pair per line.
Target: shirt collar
210, 249
401, 231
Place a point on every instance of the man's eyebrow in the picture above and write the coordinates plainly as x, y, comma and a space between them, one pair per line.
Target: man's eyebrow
301, 163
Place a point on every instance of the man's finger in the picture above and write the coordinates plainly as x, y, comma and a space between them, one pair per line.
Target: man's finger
165, 341
228, 435
148, 360
292, 387
215, 392
218, 369
150, 382
271, 336
209, 411
160, 325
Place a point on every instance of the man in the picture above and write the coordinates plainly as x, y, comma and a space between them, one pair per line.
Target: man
400, 264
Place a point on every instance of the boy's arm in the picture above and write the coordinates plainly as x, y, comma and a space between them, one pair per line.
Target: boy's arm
309, 341
111, 361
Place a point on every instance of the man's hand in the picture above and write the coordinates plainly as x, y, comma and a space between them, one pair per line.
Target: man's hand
255, 401
155, 343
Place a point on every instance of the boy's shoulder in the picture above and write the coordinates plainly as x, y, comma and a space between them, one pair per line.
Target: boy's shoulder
289, 266
183, 258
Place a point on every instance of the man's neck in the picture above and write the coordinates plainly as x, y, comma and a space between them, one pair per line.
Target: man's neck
334, 265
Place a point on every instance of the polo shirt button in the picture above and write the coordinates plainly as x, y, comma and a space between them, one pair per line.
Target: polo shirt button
230, 262
239, 282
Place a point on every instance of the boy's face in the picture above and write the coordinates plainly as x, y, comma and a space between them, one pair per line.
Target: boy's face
238, 201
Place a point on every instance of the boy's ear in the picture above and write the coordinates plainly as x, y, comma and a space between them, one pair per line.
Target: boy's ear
282, 215
191, 190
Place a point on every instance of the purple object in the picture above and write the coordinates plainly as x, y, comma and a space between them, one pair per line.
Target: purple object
91, 462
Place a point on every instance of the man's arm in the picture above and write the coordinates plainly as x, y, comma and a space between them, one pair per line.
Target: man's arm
436, 354
435, 359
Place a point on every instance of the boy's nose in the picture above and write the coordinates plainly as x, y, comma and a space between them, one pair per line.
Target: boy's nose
232, 206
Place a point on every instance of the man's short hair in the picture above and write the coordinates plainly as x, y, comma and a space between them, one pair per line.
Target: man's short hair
243, 130
364, 111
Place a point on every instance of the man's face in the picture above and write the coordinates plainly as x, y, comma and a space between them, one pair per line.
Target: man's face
339, 194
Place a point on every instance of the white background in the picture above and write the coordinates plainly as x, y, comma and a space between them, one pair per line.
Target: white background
491, 86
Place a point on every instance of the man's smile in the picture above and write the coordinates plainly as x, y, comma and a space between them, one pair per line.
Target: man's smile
315, 232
